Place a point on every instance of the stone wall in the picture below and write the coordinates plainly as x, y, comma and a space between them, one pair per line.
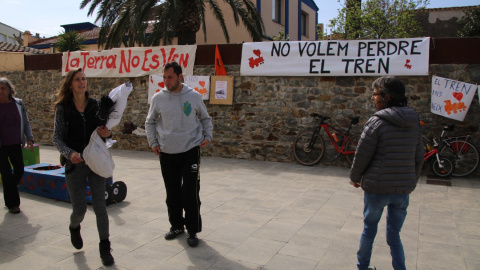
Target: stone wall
267, 114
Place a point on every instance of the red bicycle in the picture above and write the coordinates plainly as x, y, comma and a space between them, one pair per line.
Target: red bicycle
458, 156
309, 146
440, 166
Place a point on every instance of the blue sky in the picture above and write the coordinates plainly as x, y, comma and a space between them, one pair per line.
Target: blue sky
45, 17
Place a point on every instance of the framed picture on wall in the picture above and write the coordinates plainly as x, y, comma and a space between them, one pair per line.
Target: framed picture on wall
221, 90
201, 84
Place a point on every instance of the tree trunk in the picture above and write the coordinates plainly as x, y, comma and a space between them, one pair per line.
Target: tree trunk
187, 38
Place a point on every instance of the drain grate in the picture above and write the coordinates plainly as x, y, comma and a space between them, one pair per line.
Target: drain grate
434, 180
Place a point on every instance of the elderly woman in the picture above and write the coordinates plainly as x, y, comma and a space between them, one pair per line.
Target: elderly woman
387, 166
13, 129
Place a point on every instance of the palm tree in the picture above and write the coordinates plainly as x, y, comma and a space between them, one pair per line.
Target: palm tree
126, 21
70, 41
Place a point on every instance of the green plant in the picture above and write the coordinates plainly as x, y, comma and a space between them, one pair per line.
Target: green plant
375, 19
281, 36
69, 41
470, 23
320, 33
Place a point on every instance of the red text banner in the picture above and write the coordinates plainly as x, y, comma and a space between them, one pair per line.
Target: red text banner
399, 57
129, 62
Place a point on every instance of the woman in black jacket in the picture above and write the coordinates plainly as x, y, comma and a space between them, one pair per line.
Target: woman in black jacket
75, 120
387, 166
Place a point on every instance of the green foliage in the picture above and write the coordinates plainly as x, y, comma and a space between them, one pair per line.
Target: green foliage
376, 19
69, 41
281, 36
320, 33
126, 21
470, 23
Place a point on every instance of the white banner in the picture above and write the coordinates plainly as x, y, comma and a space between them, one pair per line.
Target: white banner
129, 62
155, 85
398, 57
201, 84
451, 98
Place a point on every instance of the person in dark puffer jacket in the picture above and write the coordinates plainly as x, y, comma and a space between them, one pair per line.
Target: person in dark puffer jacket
387, 166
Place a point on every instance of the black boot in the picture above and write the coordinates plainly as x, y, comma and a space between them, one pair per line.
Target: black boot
107, 258
75, 237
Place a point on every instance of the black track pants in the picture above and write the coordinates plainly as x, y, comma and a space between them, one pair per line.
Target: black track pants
181, 175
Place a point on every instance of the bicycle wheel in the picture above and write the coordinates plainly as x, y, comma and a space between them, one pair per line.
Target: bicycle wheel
442, 172
352, 146
306, 153
463, 155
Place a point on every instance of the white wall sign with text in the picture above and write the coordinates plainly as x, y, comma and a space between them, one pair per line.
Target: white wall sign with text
129, 62
451, 98
398, 57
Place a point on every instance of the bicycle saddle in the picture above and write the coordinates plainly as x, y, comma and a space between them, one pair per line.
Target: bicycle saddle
320, 116
355, 120
448, 126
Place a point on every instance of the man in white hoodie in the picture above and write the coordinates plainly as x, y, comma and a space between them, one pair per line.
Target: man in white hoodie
177, 125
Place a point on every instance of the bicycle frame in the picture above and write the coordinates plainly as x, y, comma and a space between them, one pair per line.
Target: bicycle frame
434, 151
431, 153
309, 145
328, 128
344, 136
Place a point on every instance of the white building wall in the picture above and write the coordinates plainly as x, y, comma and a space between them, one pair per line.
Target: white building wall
7, 32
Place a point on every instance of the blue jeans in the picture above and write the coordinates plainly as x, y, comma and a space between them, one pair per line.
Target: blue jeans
396, 212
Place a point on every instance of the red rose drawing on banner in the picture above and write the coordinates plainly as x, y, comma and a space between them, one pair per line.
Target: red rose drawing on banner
255, 62
455, 107
407, 65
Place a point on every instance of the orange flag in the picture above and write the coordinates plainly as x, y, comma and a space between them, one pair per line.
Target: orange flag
219, 67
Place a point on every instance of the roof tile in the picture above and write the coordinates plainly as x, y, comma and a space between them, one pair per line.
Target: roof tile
9, 47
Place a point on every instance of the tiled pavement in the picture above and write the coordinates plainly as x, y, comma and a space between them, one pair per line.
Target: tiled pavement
256, 215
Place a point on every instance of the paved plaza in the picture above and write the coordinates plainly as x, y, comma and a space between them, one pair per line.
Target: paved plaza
256, 215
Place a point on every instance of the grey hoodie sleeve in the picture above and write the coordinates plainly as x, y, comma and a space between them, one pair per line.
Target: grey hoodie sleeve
206, 121
151, 125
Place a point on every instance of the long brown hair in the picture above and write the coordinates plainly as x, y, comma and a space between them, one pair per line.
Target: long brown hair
64, 93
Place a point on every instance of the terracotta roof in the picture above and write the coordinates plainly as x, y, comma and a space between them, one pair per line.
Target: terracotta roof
9, 47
